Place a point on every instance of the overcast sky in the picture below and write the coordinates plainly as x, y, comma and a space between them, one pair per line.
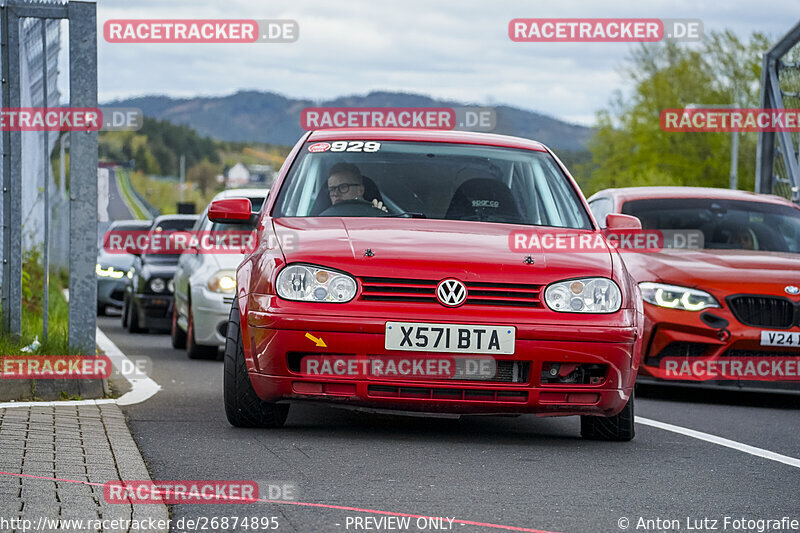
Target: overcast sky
447, 49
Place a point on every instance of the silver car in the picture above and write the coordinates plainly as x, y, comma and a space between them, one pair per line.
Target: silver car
205, 286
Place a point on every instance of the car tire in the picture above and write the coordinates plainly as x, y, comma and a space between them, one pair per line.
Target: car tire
612, 428
101, 309
133, 319
125, 313
177, 335
194, 350
243, 407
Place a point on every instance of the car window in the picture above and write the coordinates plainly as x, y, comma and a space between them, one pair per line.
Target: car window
173, 224
432, 180
726, 224
600, 208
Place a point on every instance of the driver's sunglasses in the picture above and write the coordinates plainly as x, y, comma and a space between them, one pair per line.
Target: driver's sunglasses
342, 188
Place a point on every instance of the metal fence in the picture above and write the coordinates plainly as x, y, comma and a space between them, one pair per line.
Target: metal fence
778, 155
33, 210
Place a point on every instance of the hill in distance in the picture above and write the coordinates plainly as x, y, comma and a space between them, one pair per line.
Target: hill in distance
265, 117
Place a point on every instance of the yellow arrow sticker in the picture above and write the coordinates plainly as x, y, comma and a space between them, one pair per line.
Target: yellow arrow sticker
319, 342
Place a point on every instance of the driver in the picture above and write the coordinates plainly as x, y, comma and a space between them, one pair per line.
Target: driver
744, 238
345, 183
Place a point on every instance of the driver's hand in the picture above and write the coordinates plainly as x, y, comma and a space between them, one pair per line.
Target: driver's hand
379, 205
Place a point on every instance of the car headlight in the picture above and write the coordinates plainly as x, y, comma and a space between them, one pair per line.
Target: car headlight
223, 281
586, 295
109, 272
171, 286
675, 297
308, 283
157, 285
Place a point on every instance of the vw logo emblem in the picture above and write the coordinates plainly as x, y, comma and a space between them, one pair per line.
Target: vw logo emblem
792, 289
451, 292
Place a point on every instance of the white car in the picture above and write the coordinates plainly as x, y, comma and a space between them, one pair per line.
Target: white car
205, 285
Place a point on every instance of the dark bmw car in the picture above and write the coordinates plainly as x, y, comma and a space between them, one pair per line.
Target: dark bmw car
148, 289
112, 267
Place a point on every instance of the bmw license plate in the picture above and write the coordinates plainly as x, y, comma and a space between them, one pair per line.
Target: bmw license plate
450, 338
780, 338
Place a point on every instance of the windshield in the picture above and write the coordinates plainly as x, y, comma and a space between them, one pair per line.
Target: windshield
726, 224
166, 226
430, 180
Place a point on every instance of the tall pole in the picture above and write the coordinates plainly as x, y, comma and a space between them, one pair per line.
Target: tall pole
183, 175
46, 151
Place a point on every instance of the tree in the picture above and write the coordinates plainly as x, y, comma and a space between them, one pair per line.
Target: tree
204, 174
629, 147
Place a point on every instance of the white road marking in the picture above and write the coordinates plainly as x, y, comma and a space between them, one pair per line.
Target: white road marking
707, 437
142, 386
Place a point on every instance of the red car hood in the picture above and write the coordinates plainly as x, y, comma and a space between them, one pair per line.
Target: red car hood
735, 270
429, 249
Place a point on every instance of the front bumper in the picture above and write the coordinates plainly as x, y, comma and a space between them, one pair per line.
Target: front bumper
681, 337
278, 344
210, 312
110, 291
155, 310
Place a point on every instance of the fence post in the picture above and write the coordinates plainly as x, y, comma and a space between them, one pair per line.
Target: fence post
83, 179
12, 179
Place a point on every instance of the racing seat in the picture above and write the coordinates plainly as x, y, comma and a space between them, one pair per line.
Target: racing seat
486, 200
323, 200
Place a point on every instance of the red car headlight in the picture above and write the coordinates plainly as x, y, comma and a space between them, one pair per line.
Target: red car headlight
585, 295
675, 297
310, 283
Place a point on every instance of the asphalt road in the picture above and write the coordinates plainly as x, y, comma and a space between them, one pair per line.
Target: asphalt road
526, 472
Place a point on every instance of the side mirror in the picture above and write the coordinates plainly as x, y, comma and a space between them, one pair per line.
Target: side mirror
620, 221
232, 211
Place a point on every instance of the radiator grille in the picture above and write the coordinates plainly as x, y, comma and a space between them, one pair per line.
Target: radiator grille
424, 291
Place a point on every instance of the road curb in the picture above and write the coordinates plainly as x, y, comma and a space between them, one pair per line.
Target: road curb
130, 463
57, 459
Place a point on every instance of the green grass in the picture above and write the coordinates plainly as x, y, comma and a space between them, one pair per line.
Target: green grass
57, 342
164, 194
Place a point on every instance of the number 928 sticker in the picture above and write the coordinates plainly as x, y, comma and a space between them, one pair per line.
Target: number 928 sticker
345, 146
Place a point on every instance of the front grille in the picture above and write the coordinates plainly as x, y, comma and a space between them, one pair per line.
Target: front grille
424, 291
678, 349
763, 311
683, 349
437, 393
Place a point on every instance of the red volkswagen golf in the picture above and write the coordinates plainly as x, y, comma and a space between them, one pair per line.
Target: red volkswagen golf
383, 279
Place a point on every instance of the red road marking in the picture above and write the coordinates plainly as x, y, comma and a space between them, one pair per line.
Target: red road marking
322, 505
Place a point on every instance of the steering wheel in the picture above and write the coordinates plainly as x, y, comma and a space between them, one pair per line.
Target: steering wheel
353, 208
